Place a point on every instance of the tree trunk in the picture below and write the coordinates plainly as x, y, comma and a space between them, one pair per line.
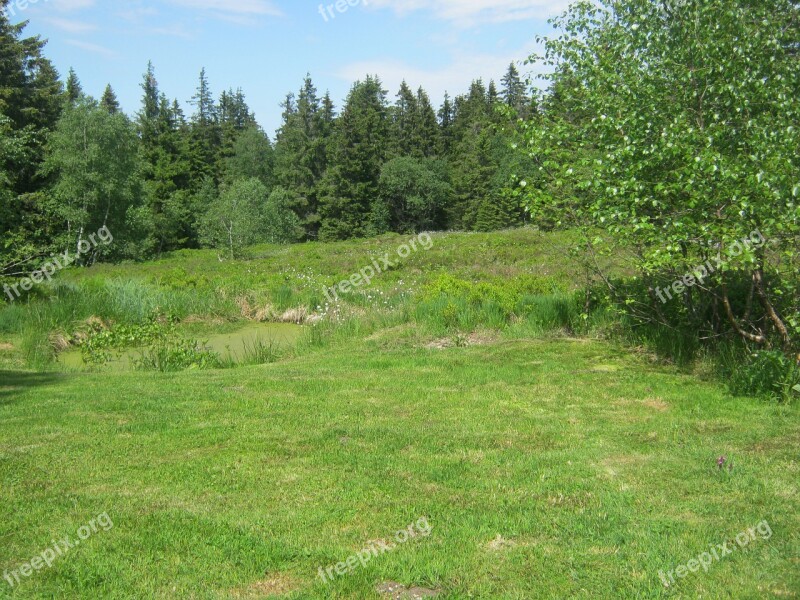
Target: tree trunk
758, 280
752, 337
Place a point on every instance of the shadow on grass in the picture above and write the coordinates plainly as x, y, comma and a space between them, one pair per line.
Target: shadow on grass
12, 383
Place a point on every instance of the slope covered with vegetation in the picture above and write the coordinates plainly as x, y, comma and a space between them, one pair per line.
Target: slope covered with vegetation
547, 459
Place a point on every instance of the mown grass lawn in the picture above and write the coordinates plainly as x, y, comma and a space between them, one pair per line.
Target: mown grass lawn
546, 468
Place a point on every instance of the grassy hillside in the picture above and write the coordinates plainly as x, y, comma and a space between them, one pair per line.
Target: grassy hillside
547, 463
289, 283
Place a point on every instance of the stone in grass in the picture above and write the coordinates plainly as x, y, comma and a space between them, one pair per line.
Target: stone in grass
397, 591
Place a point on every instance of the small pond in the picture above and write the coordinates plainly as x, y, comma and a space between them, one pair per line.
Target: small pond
228, 344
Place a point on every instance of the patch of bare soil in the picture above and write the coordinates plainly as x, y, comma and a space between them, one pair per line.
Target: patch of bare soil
656, 403
500, 543
476, 338
276, 585
397, 591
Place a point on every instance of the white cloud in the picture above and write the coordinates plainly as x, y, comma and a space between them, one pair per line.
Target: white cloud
138, 14
72, 5
71, 26
173, 31
454, 78
467, 13
89, 47
236, 7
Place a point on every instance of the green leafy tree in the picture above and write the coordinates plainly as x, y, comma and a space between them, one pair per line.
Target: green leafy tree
10, 146
692, 146
414, 193
235, 219
94, 158
253, 156
281, 224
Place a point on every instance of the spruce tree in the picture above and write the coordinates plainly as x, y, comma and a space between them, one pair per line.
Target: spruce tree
514, 92
492, 95
31, 102
301, 151
427, 128
351, 182
74, 90
234, 117
164, 144
147, 117
206, 136
471, 156
109, 101
403, 123
446, 116
203, 100
414, 130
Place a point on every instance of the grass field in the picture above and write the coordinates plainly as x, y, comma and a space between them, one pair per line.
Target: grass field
547, 465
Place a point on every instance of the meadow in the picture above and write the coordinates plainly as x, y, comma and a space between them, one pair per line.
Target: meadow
480, 385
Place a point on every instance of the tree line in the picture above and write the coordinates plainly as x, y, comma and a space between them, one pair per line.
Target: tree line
162, 180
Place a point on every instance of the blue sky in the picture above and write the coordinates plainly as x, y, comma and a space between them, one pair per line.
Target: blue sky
267, 46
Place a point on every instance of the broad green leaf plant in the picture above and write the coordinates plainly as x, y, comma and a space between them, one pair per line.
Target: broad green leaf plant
674, 127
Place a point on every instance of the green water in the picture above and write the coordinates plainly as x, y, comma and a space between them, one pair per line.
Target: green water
229, 344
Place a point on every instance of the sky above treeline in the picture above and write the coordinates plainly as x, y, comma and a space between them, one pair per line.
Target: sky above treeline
267, 46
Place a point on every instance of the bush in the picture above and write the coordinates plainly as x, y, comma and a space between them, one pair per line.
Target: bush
235, 218
769, 373
281, 224
176, 355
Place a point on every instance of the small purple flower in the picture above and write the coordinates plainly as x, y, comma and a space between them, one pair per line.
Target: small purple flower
721, 462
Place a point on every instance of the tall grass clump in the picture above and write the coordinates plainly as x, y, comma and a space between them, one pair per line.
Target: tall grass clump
65, 306
449, 304
554, 312
255, 352
37, 350
768, 374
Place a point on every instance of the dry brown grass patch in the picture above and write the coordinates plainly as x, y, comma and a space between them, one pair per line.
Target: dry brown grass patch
276, 584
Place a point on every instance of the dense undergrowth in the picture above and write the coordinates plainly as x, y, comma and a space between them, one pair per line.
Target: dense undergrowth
519, 283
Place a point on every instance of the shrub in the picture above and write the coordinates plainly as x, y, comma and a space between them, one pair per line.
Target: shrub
176, 355
769, 373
